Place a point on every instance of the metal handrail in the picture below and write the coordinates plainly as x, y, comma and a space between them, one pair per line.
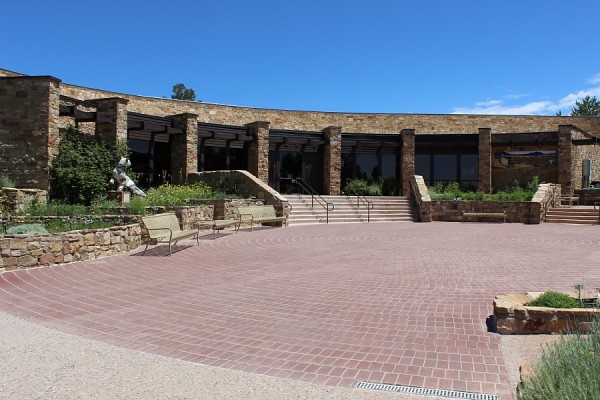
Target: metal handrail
368, 204
313, 195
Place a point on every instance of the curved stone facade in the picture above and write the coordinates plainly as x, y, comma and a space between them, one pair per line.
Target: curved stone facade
34, 109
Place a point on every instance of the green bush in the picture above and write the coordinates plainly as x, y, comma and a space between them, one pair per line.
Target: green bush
555, 300
363, 188
137, 206
178, 195
453, 191
57, 209
6, 182
568, 370
26, 228
82, 168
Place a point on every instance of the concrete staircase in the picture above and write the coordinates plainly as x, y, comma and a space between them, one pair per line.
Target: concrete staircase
582, 215
385, 209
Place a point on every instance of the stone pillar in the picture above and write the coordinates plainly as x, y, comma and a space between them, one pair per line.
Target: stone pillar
408, 159
332, 160
29, 128
258, 150
184, 147
111, 120
565, 155
485, 160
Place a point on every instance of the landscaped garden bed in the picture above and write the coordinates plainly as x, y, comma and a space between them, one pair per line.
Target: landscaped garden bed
517, 314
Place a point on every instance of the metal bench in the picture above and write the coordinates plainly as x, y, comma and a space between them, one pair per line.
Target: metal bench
258, 215
220, 224
165, 228
469, 214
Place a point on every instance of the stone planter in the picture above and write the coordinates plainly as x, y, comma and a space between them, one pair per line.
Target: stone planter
513, 317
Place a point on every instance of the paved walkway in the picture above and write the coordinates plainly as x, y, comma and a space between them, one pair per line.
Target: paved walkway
330, 304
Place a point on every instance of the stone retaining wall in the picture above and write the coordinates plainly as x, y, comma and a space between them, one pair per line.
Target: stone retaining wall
27, 251
419, 191
512, 317
19, 199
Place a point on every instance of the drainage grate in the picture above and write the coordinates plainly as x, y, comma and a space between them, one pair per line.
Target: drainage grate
453, 394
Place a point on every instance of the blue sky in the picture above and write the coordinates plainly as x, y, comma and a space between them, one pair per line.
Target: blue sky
479, 56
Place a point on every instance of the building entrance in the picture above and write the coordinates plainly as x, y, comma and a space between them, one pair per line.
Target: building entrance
288, 165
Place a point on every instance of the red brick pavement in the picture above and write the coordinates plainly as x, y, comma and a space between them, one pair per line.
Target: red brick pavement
334, 305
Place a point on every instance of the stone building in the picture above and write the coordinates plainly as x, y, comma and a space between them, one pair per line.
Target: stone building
172, 138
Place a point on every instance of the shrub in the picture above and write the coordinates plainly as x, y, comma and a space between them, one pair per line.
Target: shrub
6, 182
26, 228
568, 370
81, 170
453, 191
137, 206
363, 188
555, 300
177, 195
56, 209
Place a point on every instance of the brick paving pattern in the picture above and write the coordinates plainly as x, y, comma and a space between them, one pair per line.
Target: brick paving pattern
329, 304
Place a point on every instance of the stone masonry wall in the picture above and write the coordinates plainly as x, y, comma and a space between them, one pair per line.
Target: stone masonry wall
349, 122
28, 251
20, 199
516, 211
29, 124
584, 152
513, 317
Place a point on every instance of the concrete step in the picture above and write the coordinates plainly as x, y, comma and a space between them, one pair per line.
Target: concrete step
385, 209
572, 215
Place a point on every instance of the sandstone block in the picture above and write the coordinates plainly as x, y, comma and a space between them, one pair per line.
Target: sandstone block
18, 244
26, 262
89, 239
46, 258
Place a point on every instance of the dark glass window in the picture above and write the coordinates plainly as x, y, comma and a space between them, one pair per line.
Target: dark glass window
423, 167
214, 158
469, 170
367, 167
388, 169
444, 167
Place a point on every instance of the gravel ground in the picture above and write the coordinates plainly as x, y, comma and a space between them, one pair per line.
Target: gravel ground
518, 350
41, 363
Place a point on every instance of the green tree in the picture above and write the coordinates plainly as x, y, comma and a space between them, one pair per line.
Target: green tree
589, 107
81, 170
180, 92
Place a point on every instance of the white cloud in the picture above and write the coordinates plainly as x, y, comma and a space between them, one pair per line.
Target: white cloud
546, 107
594, 80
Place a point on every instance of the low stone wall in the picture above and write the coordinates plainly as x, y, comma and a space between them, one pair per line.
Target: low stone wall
28, 251
527, 212
19, 199
189, 216
513, 317
420, 193
245, 185
524, 212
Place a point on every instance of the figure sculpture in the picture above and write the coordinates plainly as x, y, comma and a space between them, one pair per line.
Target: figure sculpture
121, 178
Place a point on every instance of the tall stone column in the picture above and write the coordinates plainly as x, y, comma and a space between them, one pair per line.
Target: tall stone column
29, 128
565, 155
332, 160
258, 150
111, 120
485, 160
408, 159
184, 147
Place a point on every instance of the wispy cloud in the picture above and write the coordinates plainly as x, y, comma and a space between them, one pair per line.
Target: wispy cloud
503, 106
594, 80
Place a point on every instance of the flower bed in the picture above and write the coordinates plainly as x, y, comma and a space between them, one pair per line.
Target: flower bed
513, 316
